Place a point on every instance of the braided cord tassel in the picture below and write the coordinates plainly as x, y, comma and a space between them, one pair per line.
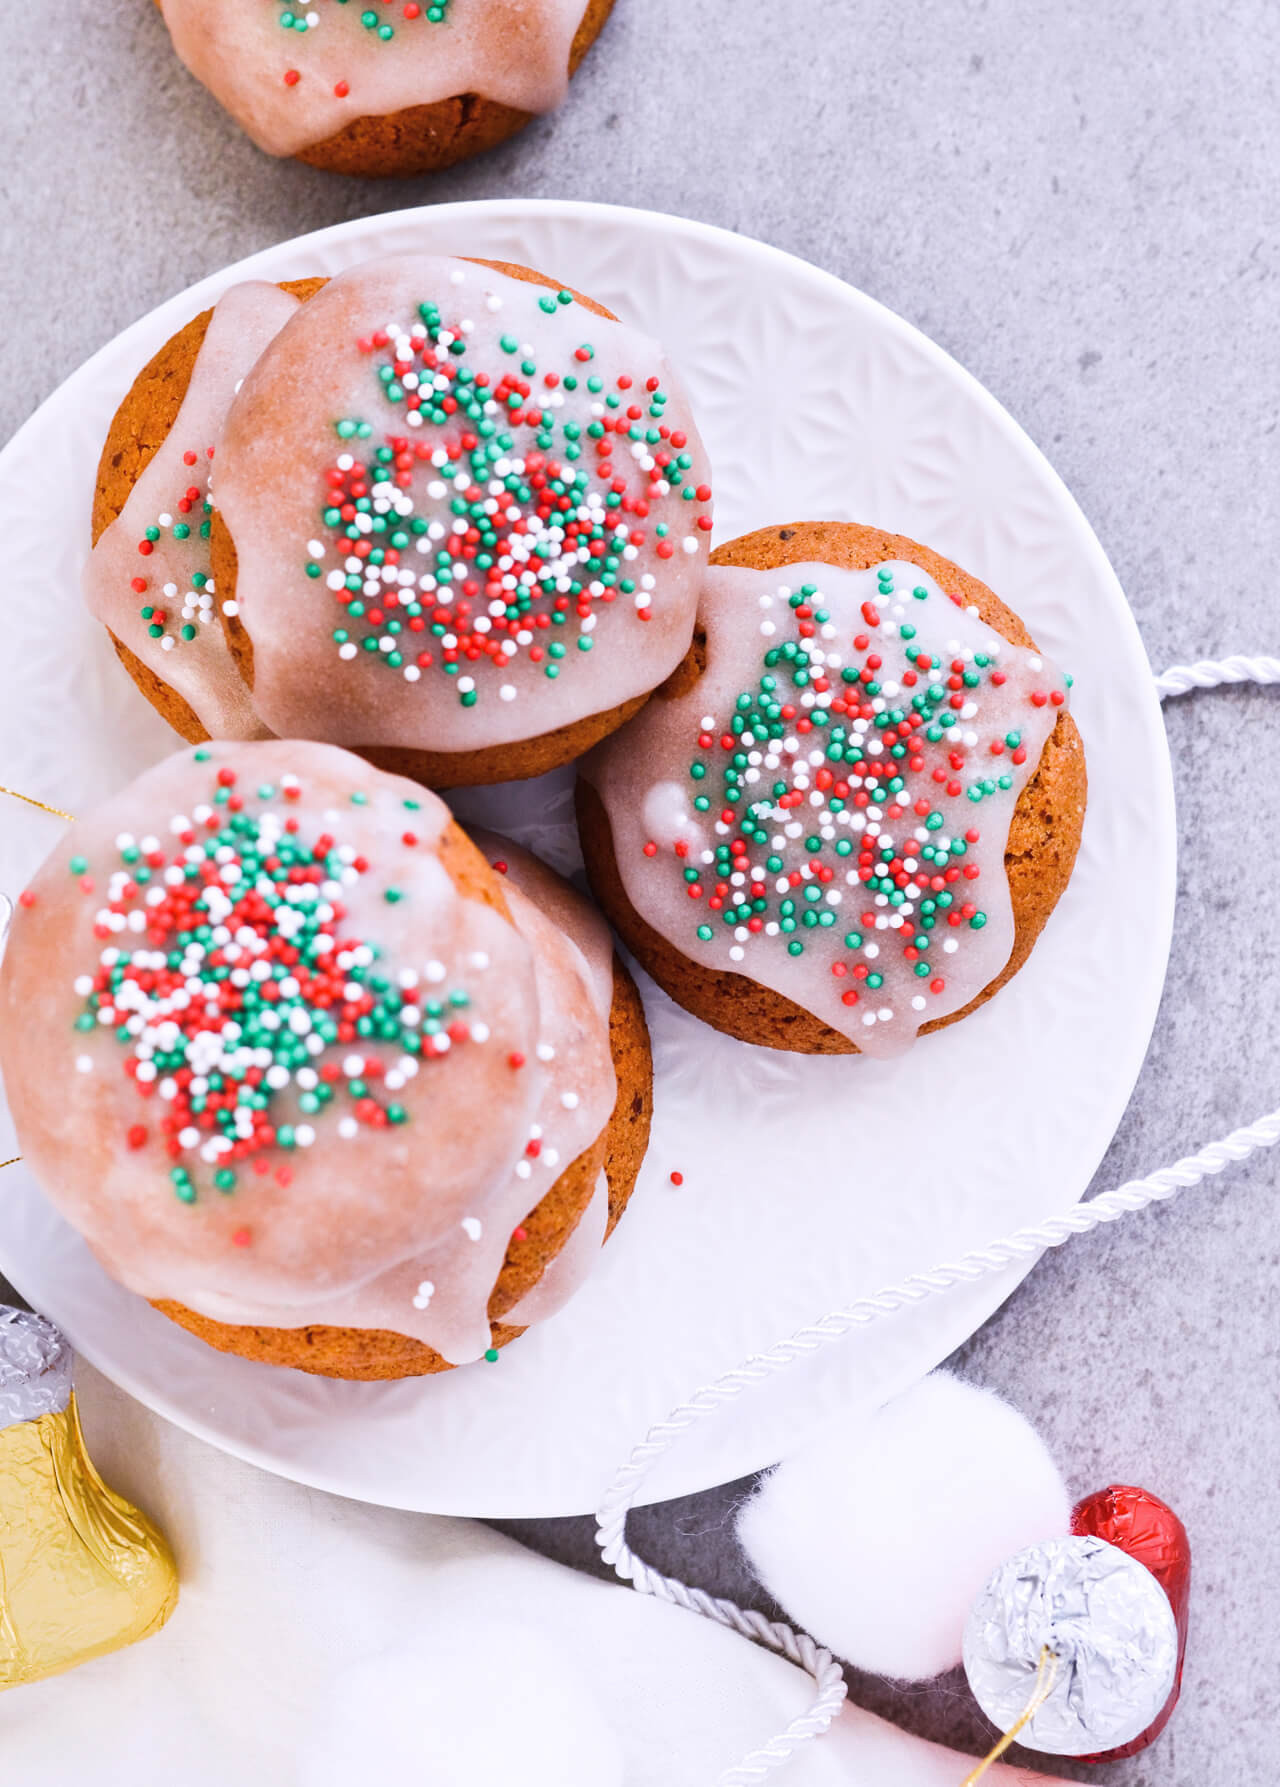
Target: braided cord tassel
1080, 1219
1214, 673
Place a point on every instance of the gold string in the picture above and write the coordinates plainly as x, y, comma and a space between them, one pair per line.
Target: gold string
1046, 1676
10, 1163
32, 802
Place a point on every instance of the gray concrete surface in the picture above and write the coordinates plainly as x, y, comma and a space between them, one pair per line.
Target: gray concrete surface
1079, 201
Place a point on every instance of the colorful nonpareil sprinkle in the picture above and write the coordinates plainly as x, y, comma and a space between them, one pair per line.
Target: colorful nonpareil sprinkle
377, 20
503, 508
248, 1013
849, 792
381, 22
175, 612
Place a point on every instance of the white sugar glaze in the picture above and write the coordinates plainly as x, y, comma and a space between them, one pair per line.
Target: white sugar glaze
382, 615
171, 492
576, 918
570, 1266
801, 810
515, 52
349, 1217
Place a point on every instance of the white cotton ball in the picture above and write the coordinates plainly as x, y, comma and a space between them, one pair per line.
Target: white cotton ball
472, 1704
877, 1538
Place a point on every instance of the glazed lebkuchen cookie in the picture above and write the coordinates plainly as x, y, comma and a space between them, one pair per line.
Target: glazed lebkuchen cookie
848, 816
311, 1074
452, 518
379, 88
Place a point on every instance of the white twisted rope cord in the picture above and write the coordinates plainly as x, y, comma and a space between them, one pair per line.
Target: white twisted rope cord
1213, 673
1080, 1219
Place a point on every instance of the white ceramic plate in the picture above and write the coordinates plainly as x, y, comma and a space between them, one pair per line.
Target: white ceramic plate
815, 403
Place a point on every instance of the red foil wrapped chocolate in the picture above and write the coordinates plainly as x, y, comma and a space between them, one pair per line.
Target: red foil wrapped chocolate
1143, 1527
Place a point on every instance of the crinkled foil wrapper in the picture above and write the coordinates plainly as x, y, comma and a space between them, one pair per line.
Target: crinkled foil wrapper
35, 1367
82, 1572
1108, 1621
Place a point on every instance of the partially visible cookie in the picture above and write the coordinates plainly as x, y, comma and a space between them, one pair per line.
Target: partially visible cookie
847, 817
150, 578
382, 89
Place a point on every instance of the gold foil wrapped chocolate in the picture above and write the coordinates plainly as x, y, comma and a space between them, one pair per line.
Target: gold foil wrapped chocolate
82, 1572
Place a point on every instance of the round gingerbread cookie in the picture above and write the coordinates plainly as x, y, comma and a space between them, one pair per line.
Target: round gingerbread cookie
847, 817
379, 88
149, 578
460, 515
310, 1074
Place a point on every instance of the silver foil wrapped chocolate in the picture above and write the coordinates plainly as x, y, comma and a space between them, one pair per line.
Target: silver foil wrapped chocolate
1107, 1621
35, 1367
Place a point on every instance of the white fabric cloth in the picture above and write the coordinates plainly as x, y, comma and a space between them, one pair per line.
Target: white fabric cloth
287, 1594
